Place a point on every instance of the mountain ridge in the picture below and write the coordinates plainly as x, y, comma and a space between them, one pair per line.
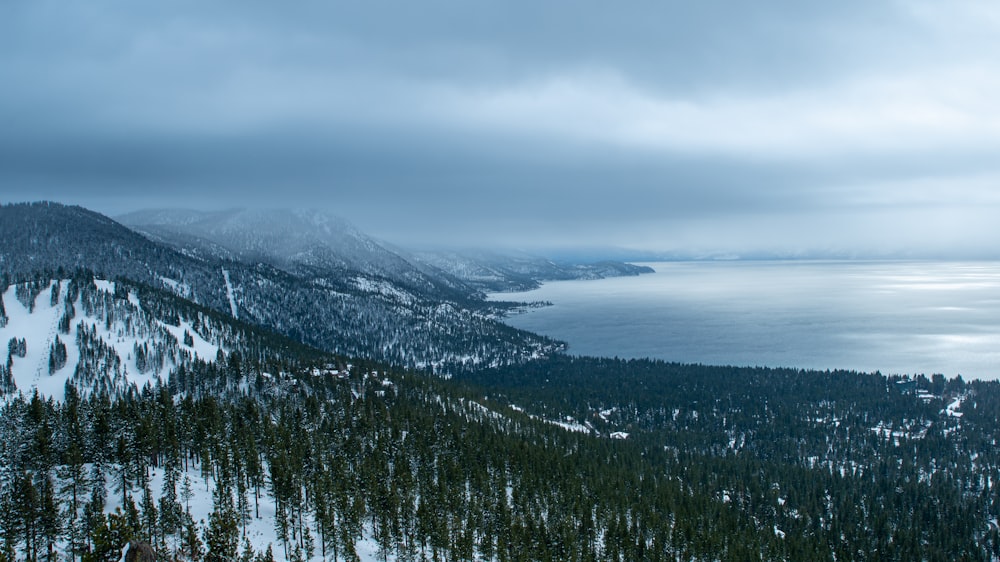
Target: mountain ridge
303, 242
338, 310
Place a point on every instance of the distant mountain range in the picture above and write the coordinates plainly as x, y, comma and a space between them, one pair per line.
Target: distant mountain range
309, 243
306, 244
309, 276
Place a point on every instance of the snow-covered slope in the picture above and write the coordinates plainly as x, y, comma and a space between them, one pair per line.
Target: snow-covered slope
79, 332
371, 304
258, 531
106, 337
303, 242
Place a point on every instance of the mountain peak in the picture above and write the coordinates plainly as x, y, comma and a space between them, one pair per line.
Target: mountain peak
304, 242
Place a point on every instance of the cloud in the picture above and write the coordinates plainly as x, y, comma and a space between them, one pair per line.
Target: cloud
714, 125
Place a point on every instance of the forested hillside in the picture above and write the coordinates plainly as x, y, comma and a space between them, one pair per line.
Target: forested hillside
846, 465
304, 243
339, 310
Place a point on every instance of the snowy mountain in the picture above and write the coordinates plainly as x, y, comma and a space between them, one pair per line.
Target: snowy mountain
50, 236
406, 319
313, 244
305, 243
273, 451
100, 371
66, 332
114, 337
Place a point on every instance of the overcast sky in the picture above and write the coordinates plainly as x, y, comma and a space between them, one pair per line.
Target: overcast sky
855, 126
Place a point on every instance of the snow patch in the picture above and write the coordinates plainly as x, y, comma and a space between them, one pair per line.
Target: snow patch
383, 288
568, 423
952, 409
229, 294
201, 347
39, 329
104, 285
259, 530
182, 289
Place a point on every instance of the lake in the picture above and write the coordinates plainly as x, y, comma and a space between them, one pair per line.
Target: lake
904, 317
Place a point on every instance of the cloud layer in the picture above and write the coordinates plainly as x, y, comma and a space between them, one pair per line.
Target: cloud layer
857, 127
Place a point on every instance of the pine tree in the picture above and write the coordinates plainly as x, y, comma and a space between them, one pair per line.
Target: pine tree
169, 508
9, 521
3, 313
57, 355
150, 516
187, 493
191, 544
122, 470
130, 523
247, 553
266, 556
16, 348
67, 318
93, 514
103, 541
222, 534
27, 506
49, 516
7, 385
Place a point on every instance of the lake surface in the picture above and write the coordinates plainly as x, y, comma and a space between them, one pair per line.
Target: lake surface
897, 317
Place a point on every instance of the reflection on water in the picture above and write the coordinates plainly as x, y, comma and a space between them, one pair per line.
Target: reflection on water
897, 317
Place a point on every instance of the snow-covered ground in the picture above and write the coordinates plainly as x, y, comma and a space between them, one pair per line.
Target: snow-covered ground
568, 423
229, 295
952, 410
39, 328
181, 289
259, 531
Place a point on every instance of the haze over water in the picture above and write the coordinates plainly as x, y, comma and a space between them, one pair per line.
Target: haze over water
904, 317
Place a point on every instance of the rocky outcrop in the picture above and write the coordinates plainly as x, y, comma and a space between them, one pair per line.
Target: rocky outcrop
140, 552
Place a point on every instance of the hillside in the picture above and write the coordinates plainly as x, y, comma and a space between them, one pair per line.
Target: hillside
338, 310
304, 243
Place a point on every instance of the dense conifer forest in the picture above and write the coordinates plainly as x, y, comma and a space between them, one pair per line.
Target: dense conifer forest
447, 470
